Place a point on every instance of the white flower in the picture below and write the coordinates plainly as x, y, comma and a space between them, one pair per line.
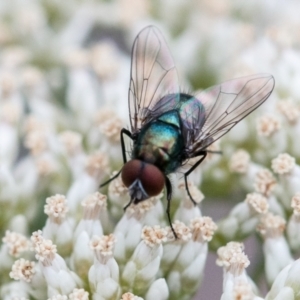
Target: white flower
104, 273
90, 225
158, 290
187, 210
276, 250
236, 282
141, 269
243, 218
285, 285
59, 277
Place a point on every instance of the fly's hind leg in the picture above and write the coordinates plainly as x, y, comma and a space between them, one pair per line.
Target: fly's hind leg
214, 152
169, 197
203, 153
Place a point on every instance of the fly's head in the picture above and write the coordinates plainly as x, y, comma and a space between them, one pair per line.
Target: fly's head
143, 180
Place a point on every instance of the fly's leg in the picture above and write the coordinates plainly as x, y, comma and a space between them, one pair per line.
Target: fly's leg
214, 152
128, 133
127, 205
169, 196
110, 179
203, 153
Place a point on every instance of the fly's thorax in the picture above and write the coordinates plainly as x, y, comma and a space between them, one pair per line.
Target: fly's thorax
144, 180
192, 116
161, 143
170, 118
191, 108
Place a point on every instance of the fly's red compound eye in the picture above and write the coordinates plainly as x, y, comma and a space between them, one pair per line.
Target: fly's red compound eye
131, 172
152, 179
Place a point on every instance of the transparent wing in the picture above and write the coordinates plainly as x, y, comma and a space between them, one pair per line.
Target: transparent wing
225, 105
153, 75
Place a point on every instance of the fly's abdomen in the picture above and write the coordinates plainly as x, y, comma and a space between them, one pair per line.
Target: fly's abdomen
161, 144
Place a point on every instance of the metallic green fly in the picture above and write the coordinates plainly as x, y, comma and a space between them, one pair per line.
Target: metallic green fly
169, 127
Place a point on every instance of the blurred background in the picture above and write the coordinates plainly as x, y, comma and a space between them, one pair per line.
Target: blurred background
61, 62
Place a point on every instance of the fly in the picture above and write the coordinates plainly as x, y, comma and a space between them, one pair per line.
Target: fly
169, 127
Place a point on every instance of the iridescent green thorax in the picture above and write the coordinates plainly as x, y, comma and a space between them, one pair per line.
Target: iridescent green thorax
160, 142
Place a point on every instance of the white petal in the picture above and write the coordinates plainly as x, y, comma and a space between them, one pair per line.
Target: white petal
158, 290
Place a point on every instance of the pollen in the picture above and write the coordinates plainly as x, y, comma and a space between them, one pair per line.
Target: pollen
76, 58
130, 296
257, 202
264, 182
58, 297
290, 110
14, 56
203, 229
283, 164
33, 124
16, 243
71, 141
225, 252
281, 35
10, 113
182, 231
108, 123
239, 162
31, 77
271, 226
5, 34
23, 270
103, 115
295, 204
37, 237
232, 258
111, 128
267, 125
117, 187
7, 84
45, 249
140, 209
93, 204
213, 148
56, 207
130, 12
45, 166
104, 60
104, 245
154, 236
79, 294
97, 164
194, 191
242, 291
36, 142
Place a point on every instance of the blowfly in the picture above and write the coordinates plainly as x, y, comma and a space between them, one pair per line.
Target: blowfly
168, 127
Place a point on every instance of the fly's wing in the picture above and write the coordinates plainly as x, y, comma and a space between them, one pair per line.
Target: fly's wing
153, 75
227, 104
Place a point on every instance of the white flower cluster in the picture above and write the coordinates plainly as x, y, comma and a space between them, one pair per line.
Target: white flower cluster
64, 74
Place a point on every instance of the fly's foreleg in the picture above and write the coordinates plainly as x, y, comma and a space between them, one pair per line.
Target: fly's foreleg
128, 133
